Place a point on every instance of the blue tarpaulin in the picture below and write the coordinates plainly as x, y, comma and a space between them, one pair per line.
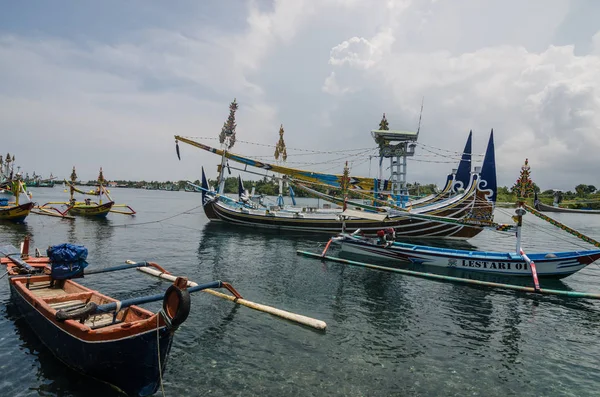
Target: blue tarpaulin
67, 260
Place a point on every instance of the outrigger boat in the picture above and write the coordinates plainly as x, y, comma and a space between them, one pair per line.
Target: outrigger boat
87, 208
117, 342
552, 264
538, 205
517, 263
548, 264
460, 211
14, 211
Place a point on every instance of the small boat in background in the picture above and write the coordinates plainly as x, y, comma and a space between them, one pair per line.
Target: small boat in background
550, 208
15, 211
538, 205
87, 207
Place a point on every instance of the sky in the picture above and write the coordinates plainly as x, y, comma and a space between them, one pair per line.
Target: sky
108, 84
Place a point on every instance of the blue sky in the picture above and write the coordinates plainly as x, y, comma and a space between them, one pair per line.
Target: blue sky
109, 83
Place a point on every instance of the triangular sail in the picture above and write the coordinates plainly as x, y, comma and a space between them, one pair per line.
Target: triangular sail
463, 174
488, 170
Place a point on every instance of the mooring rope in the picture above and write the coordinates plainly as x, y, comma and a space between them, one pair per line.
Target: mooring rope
562, 226
158, 220
162, 388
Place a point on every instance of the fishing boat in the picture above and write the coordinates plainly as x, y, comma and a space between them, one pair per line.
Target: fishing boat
551, 208
465, 206
517, 263
555, 207
117, 342
460, 211
87, 207
548, 264
15, 211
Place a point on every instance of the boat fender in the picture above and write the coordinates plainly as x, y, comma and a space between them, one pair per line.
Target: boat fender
77, 314
176, 303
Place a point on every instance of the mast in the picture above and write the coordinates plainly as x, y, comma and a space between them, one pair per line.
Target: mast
227, 140
344, 185
101, 181
523, 187
72, 187
280, 157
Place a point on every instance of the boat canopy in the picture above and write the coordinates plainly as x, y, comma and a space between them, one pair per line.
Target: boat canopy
365, 215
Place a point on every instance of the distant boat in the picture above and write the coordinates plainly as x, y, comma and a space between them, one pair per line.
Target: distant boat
550, 208
14, 213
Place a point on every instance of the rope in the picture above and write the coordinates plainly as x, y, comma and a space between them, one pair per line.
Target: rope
162, 388
562, 226
4, 275
288, 148
159, 220
445, 150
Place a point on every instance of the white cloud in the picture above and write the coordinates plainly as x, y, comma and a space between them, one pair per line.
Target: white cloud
326, 70
332, 87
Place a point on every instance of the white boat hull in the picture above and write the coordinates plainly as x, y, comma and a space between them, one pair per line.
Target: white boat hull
560, 264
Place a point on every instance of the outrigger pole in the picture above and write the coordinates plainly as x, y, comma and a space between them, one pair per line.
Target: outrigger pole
439, 277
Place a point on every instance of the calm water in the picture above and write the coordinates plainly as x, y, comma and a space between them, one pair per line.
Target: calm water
387, 334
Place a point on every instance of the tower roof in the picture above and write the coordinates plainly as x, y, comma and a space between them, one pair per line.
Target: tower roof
395, 135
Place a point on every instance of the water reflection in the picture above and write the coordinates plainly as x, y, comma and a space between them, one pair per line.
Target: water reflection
51, 375
14, 233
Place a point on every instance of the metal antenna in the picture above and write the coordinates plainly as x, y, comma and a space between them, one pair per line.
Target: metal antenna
420, 115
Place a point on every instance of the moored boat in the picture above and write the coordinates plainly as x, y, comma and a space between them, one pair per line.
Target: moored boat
516, 263
114, 341
460, 211
91, 209
548, 264
15, 211
550, 208
87, 208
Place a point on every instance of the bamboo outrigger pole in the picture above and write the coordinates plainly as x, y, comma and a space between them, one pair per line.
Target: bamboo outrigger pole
297, 318
543, 291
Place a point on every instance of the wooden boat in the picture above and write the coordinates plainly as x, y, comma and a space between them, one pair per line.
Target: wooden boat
114, 341
517, 263
15, 211
87, 208
548, 264
92, 209
448, 215
550, 208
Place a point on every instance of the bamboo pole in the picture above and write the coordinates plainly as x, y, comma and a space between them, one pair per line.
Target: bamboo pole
543, 291
297, 318
43, 211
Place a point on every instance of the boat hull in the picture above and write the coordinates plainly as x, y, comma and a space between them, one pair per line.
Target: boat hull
549, 208
472, 205
130, 363
15, 213
97, 211
556, 265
